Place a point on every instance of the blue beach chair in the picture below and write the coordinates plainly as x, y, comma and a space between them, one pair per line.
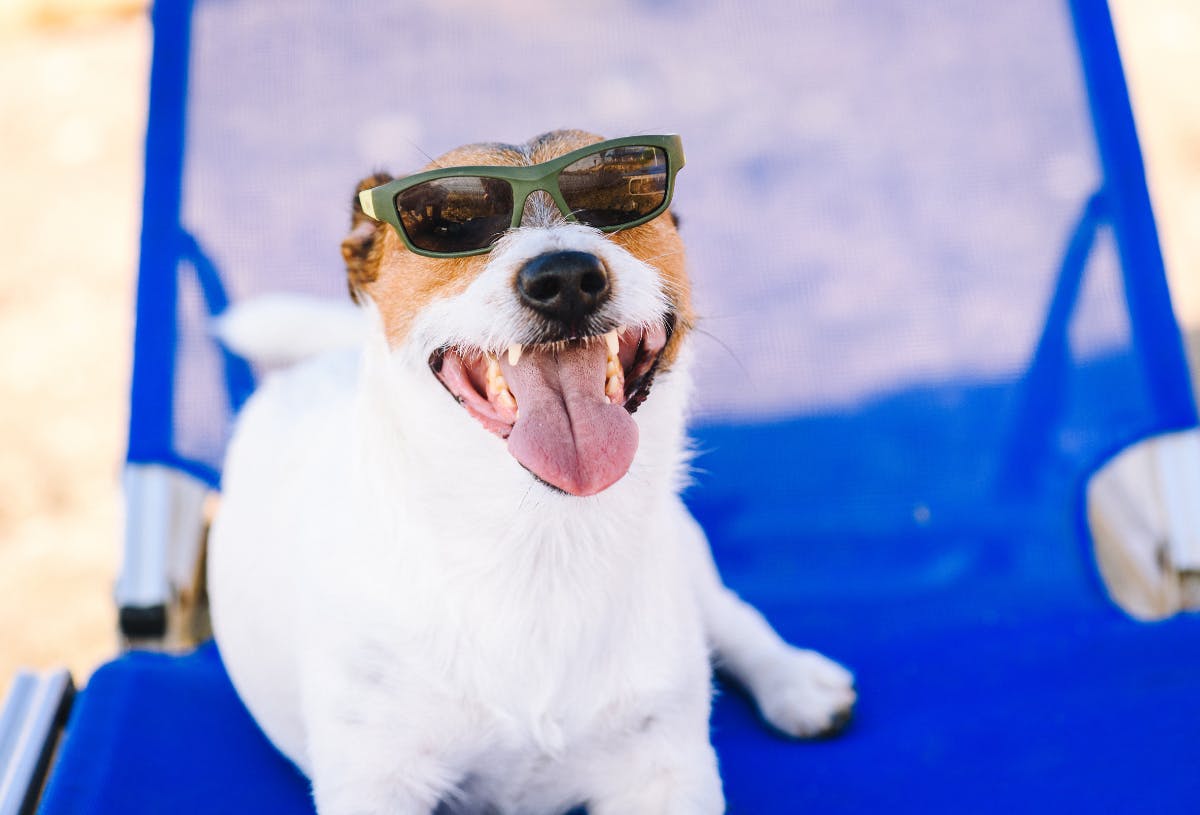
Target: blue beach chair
933, 304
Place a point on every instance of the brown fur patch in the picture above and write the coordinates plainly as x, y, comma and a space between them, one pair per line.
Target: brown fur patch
658, 244
408, 282
402, 283
360, 247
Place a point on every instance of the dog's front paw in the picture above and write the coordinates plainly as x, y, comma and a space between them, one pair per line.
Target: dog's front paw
805, 695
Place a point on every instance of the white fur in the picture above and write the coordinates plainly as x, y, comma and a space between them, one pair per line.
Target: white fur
411, 618
281, 329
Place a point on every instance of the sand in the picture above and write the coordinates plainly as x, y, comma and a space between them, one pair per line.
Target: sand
73, 107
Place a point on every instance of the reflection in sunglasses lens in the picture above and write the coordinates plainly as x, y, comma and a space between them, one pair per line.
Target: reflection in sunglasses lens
457, 214
615, 186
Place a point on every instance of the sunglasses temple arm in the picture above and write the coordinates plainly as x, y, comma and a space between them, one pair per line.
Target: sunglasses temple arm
367, 203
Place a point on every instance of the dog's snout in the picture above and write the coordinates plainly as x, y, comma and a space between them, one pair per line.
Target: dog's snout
565, 286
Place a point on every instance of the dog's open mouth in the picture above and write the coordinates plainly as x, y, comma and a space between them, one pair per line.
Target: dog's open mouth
563, 406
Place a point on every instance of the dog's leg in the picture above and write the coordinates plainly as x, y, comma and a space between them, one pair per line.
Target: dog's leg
661, 772
799, 692
353, 780
364, 763
350, 784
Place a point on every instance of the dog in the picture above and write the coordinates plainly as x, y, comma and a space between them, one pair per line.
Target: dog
451, 570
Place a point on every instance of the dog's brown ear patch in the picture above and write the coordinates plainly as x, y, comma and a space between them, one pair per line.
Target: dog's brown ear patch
359, 249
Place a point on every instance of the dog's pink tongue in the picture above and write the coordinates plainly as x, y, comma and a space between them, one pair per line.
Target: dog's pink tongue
567, 432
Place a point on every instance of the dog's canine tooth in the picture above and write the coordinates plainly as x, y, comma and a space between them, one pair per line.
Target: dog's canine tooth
614, 344
497, 388
614, 387
614, 374
514, 353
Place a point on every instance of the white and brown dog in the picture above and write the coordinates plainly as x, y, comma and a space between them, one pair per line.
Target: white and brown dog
495, 602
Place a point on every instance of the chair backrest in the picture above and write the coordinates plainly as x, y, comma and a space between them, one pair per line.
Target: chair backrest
930, 284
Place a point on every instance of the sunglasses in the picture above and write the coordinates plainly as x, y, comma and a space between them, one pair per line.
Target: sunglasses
458, 211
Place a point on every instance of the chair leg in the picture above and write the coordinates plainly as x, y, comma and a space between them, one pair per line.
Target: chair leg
164, 527
1144, 513
1178, 459
31, 720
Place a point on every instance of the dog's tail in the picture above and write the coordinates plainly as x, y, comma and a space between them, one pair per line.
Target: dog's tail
277, 330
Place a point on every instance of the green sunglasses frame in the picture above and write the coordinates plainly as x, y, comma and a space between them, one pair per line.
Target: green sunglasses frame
380, 202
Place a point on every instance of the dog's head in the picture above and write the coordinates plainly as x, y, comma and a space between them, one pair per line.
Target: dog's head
552, 339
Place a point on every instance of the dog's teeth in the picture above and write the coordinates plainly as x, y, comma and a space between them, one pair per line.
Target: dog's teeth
614, 375
614, 344
614, 388
514, 353
497, 388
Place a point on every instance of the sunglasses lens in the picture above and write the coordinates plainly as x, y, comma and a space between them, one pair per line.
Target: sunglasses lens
615, 186
457, 214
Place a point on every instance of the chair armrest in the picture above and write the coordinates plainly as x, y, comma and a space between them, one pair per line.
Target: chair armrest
33, 715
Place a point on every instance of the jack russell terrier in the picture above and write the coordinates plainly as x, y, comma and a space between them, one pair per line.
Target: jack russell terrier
451, 570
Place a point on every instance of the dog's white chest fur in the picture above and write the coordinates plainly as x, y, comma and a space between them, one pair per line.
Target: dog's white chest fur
360, 603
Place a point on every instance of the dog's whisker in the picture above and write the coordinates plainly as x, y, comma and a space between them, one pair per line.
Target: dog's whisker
525, 497
433, 161
663, 255
732, 354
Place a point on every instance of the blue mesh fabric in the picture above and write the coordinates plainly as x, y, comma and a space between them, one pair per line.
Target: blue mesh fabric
930, 307
873, 200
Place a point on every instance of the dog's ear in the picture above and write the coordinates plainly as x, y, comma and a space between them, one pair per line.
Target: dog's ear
359, 248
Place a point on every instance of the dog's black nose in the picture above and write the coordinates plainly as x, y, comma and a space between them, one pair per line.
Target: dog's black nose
564, 286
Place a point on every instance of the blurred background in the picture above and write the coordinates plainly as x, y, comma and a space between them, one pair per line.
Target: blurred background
73, 87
